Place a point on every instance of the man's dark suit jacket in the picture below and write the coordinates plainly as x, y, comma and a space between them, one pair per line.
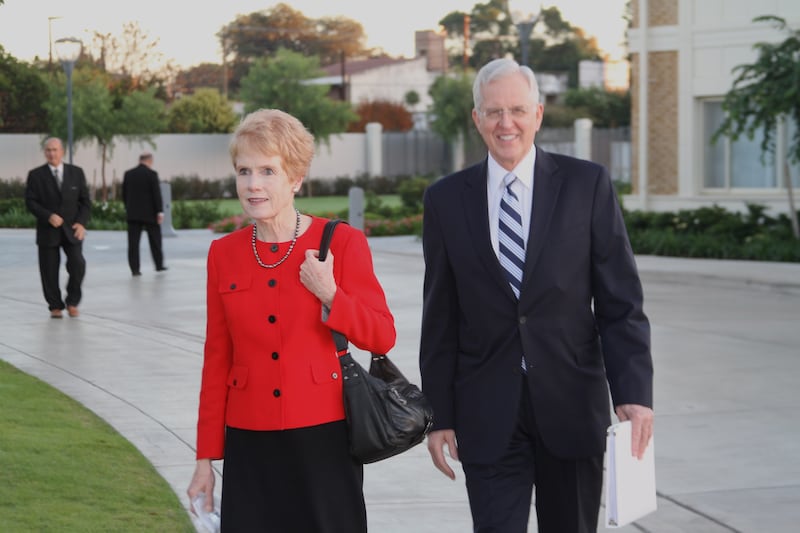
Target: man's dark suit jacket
71, 203
579, 320
141, 193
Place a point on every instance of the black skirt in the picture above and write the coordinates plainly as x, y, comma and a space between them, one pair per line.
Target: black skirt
294, 481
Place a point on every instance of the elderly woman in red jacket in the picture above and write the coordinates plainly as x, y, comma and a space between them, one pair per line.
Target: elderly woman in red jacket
271, 395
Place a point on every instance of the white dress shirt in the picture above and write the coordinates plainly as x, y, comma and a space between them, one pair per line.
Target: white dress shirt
523, 188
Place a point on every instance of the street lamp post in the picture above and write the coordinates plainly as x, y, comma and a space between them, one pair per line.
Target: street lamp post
524, 26
68, 50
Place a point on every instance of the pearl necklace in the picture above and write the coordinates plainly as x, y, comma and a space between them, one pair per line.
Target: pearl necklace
289, 251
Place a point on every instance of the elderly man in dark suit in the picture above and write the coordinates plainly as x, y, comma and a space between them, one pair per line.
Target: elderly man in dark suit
532, 311
141, 193
57, 195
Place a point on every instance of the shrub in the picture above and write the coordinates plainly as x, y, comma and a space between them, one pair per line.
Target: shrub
713, 232
194, 188
411, 225
14, 214
230, 224
12, 188
195, 214
411, 192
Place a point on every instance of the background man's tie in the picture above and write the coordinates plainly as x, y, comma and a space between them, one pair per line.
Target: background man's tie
57, 177
512, 245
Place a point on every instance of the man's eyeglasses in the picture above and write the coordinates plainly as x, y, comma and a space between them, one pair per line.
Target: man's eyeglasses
495, 114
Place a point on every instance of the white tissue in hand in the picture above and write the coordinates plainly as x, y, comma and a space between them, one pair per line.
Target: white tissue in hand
210, 520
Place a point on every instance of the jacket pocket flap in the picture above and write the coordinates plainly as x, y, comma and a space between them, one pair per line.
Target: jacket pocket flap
237, 377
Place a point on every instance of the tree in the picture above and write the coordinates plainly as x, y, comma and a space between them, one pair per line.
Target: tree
392, 116
281, 82
607, 109
132, 57
205, 111
763, 94
204, 75
22, 92
261, 34
99, 116
452, 106
556, 45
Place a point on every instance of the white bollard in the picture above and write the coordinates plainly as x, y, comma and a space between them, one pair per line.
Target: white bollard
166, 196
583, 138
356, 203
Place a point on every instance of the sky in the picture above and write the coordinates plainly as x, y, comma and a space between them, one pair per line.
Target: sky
186, 32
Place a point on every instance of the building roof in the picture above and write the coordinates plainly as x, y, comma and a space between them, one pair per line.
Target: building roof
357, 66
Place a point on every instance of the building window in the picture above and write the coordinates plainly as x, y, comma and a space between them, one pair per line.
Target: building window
736, 164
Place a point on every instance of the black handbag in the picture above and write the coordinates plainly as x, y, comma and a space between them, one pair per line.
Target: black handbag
386, 415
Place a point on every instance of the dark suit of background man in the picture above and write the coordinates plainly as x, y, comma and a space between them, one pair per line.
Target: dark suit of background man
141, 193
520, 384
57, 195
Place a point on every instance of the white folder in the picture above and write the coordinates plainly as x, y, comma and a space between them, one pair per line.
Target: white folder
630, 482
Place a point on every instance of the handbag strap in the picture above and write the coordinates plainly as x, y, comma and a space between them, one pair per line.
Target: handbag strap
327, 235
324, 245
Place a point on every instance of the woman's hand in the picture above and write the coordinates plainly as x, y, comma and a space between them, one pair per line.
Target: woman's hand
317, 276
202, 481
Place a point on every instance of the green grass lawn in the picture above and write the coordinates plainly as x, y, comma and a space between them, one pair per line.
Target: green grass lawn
66, 470
315, 206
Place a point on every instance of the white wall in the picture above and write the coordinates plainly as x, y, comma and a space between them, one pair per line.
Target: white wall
392, 82
202, 155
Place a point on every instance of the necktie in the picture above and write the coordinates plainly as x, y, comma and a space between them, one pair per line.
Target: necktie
57, 177
512, 244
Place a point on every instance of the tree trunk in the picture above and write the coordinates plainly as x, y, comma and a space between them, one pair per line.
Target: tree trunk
787, 176
103, 173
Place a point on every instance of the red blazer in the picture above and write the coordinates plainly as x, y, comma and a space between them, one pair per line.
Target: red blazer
270, 362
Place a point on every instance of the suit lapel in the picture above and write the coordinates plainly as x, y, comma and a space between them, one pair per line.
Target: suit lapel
546, 187
476, 205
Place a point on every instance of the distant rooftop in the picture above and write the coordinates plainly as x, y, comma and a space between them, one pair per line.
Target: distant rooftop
356, 66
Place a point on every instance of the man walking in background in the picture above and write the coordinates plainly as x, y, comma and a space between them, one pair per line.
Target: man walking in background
141, 193
57, 195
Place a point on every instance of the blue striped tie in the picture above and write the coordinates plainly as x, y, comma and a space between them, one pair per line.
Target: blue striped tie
512, 244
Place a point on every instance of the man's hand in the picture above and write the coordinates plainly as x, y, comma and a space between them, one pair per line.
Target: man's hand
436, 442
80, 231
55, 220
160, 218
641, 418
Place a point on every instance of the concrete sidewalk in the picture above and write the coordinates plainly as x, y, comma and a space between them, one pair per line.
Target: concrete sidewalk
726, 344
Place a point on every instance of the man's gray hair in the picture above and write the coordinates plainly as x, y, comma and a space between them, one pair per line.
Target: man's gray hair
499, 68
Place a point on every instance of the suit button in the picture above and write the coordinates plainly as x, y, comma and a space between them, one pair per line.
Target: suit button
275, 355
273, 248
233, 286
272, 319
335, 375
276, 393
523, 319
272, 283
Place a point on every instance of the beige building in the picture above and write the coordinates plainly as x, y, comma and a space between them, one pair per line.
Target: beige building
683, 53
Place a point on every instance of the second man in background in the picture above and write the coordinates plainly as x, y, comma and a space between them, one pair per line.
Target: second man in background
141, 193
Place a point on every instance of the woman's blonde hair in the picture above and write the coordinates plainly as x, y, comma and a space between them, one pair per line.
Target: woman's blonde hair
275, 133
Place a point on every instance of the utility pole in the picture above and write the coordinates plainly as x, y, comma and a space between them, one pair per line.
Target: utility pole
465, 60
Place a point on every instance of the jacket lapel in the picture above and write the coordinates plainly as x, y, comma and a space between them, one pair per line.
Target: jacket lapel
546, 187
476, 204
